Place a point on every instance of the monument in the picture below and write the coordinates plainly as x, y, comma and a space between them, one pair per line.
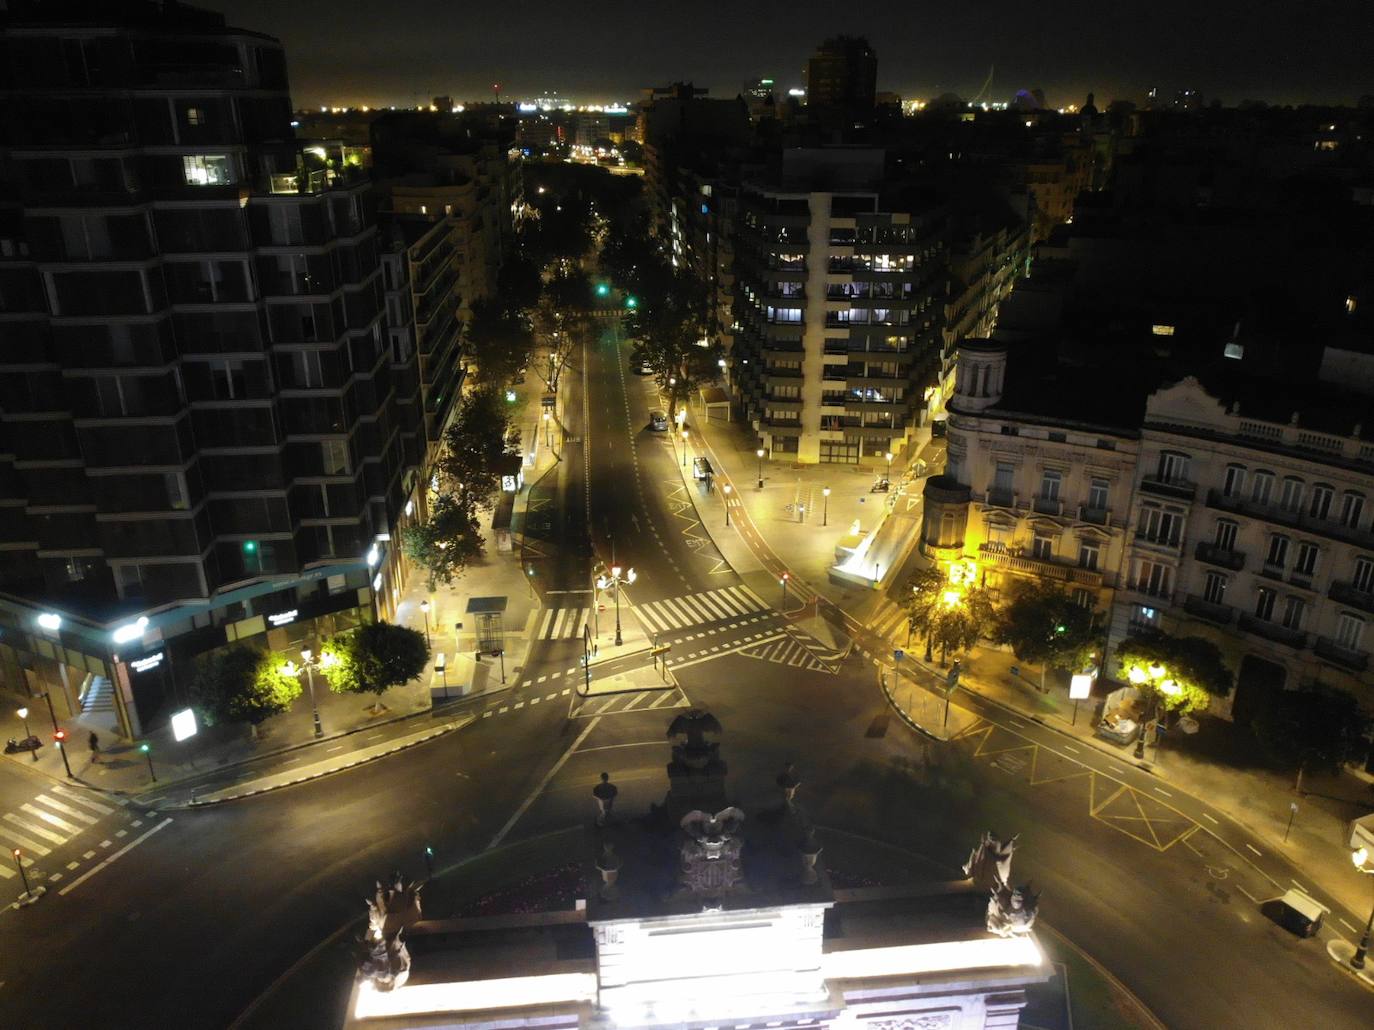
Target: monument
701, 913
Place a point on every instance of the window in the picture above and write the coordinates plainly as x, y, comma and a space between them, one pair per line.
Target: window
1153, 578
1235, 480
1042, 546
1144, 616
1306, 565
1162, 330
226, 378
1278, 551
207, 169
176, 491
1264, 603
128, 580
1352, 507
1160, 526
1214, 588
1004, 477
195, 116
1089, 550
1319, 507
1363, 578
1291, 499
1098, 490
1050, 481
1083, 598
1293, 609
335, 457
1349, 630
1263, 488
1173, 467
1225, 539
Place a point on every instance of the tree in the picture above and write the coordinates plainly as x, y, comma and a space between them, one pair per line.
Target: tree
670, 319
959, 624
1045, 626
1315, 729
518, 283
1179, 674
923, 603
478, 441
241, 684
448, 542
374, 658
499, 339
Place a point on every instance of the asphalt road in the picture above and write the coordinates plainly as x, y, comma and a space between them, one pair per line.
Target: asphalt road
183, 922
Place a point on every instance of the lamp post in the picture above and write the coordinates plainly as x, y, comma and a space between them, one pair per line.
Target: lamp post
1160, 682
424, 608
888, 474
1359, 856
825, 506
684, 448
306, 654
548, 430
759, 454
782, 582
148, 754
615, 580
727, 489
24, 714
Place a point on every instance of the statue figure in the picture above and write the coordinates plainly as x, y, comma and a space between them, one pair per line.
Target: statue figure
391, 909
695, 752
810, 850
711, 853
1012, 911
989, 864
608, 865
788, 781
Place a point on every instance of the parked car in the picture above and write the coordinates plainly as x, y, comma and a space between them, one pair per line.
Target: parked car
658, 421
639, 364
701, 469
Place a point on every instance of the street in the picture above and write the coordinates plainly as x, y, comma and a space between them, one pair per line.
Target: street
207, 907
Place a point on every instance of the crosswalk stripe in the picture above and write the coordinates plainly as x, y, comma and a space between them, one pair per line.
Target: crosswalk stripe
703, 613
567, 617
85, 817
713, 603
81, 799
680, 615
743, 598
48, 817
24, 842
648, 613
759, 602
544, 623
40, 831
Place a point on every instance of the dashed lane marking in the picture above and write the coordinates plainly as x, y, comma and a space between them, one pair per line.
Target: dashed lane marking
1255, 850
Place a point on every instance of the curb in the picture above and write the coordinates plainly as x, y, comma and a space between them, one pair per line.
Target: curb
1144, 1010
194, 804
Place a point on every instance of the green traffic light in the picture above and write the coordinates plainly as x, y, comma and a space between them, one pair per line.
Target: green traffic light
602, 289
144, 748
631, 303
250, 546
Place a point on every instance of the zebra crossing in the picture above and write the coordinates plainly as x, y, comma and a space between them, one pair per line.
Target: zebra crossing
889, 622
47, 821
784, 649
562, 623
720, 605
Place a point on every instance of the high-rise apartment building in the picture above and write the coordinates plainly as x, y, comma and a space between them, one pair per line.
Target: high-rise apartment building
197, 411
842, 83
839, 287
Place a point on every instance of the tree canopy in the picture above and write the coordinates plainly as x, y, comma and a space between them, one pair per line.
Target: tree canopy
1193, 669
374, 658
499, 339
449, 541
477, 443
1312, 730
669, 320
1044, 625
241, 684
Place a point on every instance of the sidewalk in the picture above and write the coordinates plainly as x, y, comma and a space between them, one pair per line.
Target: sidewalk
773, 538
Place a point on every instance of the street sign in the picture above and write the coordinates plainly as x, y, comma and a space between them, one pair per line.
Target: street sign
661, 650
1080, 686
898, 654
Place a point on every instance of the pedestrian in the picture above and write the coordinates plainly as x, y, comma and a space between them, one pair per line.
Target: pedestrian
95, 747
604, 794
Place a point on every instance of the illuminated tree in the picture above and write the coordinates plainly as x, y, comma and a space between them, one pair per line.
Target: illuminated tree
1045, 626
447, 542
374, 658
241, 684
1178, 674
961, 619
923, 603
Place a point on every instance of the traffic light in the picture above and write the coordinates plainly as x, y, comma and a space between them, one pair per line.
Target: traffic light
249, 546
59, 736
631, 303
1061, 629
144, 748
602, 289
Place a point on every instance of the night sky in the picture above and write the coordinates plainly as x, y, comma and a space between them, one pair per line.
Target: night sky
403, 51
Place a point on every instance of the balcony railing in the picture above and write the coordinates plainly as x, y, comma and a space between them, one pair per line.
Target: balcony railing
1327, 648
1280, 634
1347, 593
1097, 516
1177, 489
1048, 505
1287, 517
1000, 556
1221, 614
1220, 556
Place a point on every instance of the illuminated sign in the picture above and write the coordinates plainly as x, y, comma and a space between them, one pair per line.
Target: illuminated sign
184, 724
130, 631
152, 661
1080, 686
282, 618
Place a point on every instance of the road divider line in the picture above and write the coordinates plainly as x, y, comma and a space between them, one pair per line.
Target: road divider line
1253, 900
534, 794
115, 857
1210, 819
1256, 850
1161, 790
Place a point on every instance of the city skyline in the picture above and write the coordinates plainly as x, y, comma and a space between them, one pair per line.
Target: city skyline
1222, 50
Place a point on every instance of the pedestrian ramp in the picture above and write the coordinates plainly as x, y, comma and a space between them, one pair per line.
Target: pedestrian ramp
724, 604
562, 623
48, 821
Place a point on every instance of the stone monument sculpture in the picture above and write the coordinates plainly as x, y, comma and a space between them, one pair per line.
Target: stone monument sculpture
696, 774
392, 908
710, 853
1011, 910
788, 781
989, 863
608, 865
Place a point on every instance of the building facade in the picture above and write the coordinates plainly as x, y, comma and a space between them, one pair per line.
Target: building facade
197, 420
837, 311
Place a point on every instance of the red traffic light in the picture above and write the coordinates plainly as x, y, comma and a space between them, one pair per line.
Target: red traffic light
59, 735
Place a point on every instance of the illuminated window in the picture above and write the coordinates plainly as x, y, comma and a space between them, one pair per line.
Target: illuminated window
207, 170
1350, 305
1162, 330
1214, 589
195, 116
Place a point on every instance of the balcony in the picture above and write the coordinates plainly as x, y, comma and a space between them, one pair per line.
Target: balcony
1048, 505
1097, 516
1001, 498
1000, 556
1174, 489
1200, 607
1287, 517
1279, 634
1220, 556
1356, 661
1348, 593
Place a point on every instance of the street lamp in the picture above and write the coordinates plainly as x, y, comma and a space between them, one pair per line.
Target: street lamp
888, 474
759, 454
290, 669
825, 506
684, 448
727, 489
548, 429
424, 608
1359, 856
615, 580
24, 712
1160, 683
782, 582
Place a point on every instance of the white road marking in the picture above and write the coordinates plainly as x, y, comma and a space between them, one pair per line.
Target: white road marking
1299, 886
37, 831
524, 805
336, 747
1254, 900
1210, 819
486, 715
1348, 926
1161, 790
1255, 850
1073, 749
81, 799
115, 857
24, 842
50, 819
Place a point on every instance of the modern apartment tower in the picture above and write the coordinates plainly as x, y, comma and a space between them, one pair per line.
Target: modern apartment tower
197, 442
